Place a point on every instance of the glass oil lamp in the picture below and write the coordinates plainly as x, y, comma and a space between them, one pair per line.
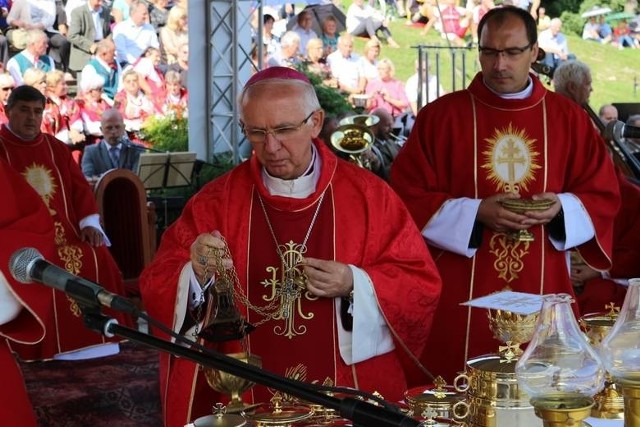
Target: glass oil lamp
559, 369
620, 351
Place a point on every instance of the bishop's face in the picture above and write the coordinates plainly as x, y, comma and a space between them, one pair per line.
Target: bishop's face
506, 55
280, 128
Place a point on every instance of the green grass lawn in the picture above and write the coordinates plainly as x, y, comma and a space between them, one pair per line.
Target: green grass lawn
616, 73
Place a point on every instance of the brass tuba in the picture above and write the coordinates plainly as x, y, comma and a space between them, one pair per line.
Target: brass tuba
354, 137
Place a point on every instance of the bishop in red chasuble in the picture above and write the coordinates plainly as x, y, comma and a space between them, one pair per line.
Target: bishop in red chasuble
472, 145
293, 205
359, 221
47, 165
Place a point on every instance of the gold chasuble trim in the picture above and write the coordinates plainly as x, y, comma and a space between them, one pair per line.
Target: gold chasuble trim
40, 178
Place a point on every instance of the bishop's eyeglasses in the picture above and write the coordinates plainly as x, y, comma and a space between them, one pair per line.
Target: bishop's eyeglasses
281, 133
510, 52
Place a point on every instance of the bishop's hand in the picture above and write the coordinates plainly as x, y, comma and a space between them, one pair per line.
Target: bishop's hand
328, 279
206, 252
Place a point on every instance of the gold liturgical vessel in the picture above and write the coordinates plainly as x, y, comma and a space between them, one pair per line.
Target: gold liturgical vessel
436, 404
609, 403
280, 413
620, 352
232, 385
220, 418
521, 206
494, 397
559, 369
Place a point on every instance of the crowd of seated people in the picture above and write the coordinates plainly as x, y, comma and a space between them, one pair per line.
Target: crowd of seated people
115, 53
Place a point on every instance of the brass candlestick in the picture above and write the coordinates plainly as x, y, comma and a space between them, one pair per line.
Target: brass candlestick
631, 393
562, 409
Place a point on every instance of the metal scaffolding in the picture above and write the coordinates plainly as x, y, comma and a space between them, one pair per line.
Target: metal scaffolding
219, 65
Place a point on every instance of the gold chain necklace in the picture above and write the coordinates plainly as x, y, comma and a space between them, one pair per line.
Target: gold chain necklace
227, 279
290, 254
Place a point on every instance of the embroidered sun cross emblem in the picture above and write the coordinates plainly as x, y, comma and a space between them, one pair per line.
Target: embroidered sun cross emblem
288, 284
510, 159
41, 180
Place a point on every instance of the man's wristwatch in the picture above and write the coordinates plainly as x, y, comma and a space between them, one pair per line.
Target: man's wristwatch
350, 297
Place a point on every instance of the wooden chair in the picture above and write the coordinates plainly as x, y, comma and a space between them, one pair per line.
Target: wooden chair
129, 221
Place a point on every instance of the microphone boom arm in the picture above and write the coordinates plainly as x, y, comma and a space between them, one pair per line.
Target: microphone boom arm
360, 412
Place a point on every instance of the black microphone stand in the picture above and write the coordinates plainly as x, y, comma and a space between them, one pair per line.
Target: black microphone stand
363, 414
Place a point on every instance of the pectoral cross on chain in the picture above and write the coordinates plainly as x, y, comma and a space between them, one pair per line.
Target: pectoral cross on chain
289, 289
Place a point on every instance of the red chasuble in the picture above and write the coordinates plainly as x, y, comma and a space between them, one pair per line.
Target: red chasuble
46, 164
474, 144
599, 292
360, 221
24, 221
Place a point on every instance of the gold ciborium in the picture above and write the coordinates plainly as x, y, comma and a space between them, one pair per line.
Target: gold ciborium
521, 206
512, 329
232, 385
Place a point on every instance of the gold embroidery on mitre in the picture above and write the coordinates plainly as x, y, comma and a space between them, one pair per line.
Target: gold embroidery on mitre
510, 160
289, 289
41, 179
509, 254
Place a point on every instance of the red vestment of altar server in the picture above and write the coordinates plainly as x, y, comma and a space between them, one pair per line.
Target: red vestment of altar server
46, 164
625, 260
360, 221
452, 153
24, 221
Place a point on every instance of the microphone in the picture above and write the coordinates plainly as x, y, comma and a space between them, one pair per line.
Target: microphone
617, 130
27, 265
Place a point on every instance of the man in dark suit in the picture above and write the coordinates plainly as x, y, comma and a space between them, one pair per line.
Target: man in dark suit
90, 23
115, 150
385, 147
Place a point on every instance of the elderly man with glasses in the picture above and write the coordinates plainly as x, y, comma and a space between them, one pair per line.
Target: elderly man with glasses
320, 259
503, 178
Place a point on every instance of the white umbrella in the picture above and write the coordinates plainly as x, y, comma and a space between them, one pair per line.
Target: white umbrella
595, 11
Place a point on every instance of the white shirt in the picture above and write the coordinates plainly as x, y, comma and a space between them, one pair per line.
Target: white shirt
345, 70
131, 40
96, 17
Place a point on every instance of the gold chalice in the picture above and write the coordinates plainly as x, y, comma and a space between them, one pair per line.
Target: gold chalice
521, 206
232, 385
512, 329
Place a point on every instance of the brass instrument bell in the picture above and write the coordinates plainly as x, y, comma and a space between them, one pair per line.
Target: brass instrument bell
366, 120
353, 139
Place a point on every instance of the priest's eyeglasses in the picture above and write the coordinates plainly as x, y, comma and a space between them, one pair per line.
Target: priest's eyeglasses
282, 133
510, 52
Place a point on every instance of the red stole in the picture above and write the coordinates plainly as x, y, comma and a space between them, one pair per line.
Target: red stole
48, 167
310, 317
